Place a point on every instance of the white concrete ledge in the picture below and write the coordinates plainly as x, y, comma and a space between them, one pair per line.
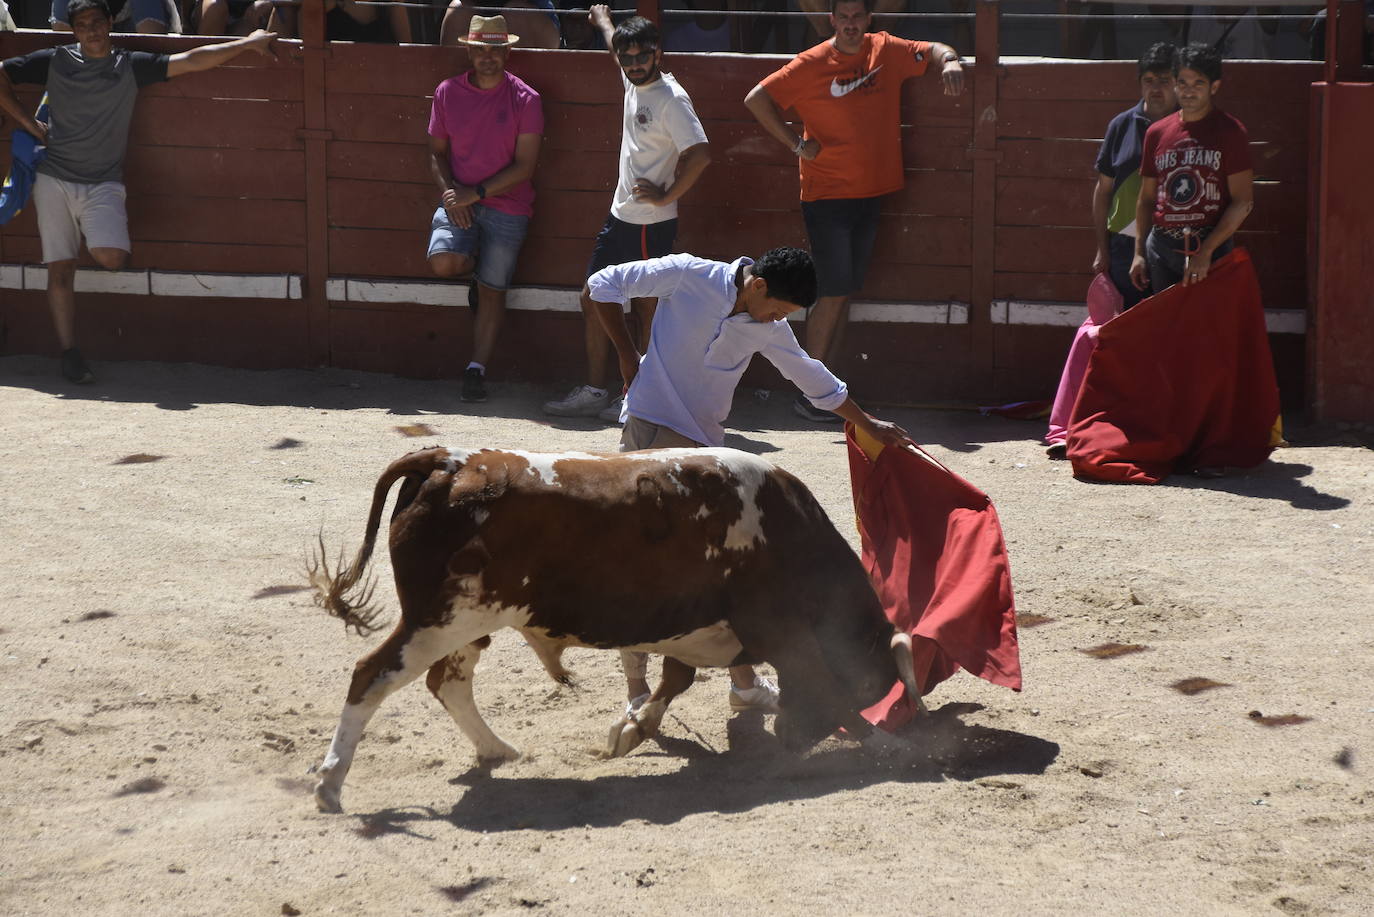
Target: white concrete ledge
132, 283
1071, 315
230, 286
532, 299
158, 283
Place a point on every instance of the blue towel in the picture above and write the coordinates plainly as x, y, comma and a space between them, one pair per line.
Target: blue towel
25, 155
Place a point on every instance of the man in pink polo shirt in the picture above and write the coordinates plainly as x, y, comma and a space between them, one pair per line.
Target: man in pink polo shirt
485, 129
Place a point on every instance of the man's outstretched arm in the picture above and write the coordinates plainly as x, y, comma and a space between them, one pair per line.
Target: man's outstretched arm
884, 431
208, 57
600, 17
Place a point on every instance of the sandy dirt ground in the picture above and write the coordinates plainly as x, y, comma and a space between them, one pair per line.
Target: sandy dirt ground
167, 691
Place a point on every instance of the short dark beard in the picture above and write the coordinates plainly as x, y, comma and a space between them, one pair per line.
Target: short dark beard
648, 78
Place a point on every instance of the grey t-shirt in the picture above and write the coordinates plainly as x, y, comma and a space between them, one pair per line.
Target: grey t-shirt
91, 104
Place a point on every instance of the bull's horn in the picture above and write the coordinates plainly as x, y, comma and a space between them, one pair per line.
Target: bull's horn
906, 668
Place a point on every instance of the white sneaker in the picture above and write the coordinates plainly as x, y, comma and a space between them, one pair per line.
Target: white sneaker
582, 401
611, 413
763, 696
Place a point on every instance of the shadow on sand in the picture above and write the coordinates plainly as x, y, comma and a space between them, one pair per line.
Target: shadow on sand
752, 772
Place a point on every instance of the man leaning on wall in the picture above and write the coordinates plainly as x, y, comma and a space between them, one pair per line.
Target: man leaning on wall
485, 129
79, 192
847, 91
663, 151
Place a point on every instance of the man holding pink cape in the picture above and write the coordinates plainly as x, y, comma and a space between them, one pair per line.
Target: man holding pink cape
1114, 225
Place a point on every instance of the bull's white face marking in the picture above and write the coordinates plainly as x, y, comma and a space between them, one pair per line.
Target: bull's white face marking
480, 515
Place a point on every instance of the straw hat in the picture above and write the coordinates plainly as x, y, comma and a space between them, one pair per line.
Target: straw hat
490, 31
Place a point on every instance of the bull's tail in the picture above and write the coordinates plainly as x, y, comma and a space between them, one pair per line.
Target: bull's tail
347, 591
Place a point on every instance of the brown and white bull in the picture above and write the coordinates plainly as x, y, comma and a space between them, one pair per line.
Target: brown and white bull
711, 557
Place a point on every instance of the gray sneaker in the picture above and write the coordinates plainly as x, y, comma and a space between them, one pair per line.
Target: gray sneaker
582, 401
611, 413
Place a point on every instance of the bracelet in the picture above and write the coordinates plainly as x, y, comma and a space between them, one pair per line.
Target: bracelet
481, 190
950, 57
796, 150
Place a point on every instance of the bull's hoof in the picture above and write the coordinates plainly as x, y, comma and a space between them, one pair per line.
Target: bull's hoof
328, 799
625, 736
496, 757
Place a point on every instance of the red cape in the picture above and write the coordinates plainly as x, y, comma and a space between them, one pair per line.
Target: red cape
1183, 380
933, 548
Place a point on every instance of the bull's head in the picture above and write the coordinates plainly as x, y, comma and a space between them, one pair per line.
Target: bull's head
810, 712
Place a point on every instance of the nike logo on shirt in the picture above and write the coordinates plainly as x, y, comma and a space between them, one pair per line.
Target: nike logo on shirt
838, 89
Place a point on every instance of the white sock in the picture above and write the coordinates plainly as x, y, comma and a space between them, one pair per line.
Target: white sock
478, 366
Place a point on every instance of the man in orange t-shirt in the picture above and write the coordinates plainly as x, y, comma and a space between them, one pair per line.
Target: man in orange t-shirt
847, 91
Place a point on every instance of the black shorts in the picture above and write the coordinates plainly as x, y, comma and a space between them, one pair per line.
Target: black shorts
842, 231
620, 242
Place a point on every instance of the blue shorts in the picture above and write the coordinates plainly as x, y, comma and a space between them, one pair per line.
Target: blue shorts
493, 241
134, 11
620, 242
842, 231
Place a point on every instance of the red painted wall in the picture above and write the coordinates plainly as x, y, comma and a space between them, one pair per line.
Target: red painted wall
1341, 335
226, 168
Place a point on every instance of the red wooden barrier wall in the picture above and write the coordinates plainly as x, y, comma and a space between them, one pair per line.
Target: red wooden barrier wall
257, 167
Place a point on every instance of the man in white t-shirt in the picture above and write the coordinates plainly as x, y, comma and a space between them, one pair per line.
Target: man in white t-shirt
663, 151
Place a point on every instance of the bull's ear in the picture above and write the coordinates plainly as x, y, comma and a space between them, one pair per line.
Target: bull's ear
906, 668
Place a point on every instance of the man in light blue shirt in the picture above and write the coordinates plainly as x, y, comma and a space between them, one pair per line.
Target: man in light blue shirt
712, 318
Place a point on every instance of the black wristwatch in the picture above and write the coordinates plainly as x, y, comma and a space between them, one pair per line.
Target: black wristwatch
481, 190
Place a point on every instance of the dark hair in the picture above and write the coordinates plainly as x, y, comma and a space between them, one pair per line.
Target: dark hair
80, 6
790, 275
868, 5
635, 31
1205, 59
1158, 56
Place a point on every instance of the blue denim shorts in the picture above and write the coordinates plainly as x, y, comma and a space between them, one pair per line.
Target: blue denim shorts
135, 11
493, 241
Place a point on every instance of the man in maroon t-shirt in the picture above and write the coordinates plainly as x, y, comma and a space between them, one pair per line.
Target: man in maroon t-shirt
1196, 179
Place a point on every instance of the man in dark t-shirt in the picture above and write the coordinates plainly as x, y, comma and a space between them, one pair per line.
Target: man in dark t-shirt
79, 190
1196, 179
1118, 170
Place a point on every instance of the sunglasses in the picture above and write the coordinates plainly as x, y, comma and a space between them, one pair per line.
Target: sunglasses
633, 60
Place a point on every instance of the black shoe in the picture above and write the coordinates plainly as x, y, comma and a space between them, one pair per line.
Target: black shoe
803, 408
474, 385
1057, 451
74, 368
